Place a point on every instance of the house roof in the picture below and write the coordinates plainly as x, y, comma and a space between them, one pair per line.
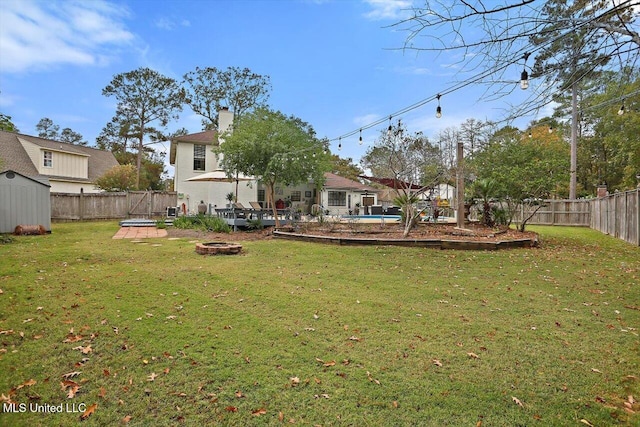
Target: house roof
15, 158
41, 182
207, 137
394, 183
334, 181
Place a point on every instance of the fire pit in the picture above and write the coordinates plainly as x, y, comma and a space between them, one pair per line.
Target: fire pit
218, 248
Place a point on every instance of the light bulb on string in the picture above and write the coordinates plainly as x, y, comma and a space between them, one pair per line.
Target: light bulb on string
438, 108
389, 128
360, 141
621, 110
530, 134
550, 129
524, 76
340, 144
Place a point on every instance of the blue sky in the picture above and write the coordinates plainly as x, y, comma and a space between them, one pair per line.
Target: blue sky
333, 63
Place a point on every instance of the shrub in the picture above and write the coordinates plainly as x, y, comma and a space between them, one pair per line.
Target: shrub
255, 224
202, 222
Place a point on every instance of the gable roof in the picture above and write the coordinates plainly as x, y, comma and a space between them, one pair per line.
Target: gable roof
15, 158
10, 174
207, 137
337, 182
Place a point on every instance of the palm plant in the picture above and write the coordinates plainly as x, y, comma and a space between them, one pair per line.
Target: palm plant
486, 189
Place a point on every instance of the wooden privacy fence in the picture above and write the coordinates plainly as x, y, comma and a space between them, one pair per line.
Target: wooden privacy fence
138, 204
617, 214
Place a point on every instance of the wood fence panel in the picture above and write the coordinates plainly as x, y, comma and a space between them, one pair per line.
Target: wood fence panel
147, 204
618, 215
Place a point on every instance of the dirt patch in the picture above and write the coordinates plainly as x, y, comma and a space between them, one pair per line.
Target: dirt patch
472, 232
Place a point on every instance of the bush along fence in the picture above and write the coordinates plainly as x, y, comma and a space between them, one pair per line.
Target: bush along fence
138, 204
616, 214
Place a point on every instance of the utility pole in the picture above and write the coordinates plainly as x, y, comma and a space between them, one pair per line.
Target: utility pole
460, 186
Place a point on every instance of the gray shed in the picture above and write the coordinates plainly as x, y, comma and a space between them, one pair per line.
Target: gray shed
23, 201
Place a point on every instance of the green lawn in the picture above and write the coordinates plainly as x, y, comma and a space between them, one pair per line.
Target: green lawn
309, 334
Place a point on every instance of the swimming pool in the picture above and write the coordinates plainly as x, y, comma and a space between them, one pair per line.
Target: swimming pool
386, 217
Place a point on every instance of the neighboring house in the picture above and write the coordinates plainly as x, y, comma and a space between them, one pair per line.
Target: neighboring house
67, 168
340, 196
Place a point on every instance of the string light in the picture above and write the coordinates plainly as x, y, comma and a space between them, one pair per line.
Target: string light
360, 141
340, 145
621, 110
438, 108
389, 128
550, 129
524, 77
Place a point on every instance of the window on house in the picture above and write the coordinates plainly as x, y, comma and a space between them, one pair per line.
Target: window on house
199, 155
48, 159
296, 196
337, 198
261, 196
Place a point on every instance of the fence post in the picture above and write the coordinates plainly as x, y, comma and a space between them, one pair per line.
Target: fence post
81, 205
638, 215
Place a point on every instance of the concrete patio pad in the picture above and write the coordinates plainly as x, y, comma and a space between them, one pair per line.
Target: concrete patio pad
139, 233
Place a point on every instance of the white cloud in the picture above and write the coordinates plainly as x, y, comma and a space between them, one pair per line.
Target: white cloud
365, 120
39, 35
388, 9
170, 24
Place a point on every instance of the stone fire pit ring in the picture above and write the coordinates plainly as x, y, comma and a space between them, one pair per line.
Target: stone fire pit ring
218, 248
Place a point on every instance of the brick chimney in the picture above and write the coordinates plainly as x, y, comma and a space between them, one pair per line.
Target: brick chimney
602, 191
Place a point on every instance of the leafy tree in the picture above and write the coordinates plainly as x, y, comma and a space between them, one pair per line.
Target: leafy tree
47, 129
209, 89
145, 97
410, 160
609, 149
526, 169
345, 168
274, 148
6, 124
72, 137
118, 178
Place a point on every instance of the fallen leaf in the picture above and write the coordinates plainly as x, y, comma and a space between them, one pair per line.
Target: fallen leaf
239, 394
71, 393
516, 401
71, 375
354, 338
126, 419
259, 412
437, 362
280, 416
596, 370
473, 355
583, 421
90, 410
29, 383
67, 383
294, 381
331, 363
102, 393
73, 338
231, 409
152, 377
